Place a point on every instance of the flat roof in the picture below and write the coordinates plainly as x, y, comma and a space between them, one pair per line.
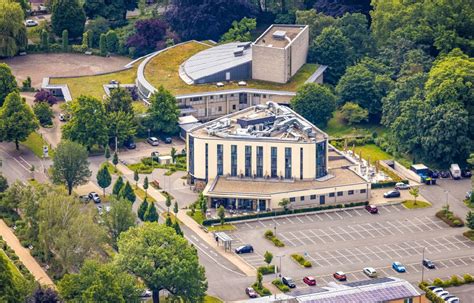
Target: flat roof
269, 121
249, 186
217, 59
272, 36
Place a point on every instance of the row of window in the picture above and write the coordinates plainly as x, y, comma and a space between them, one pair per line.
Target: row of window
322, 198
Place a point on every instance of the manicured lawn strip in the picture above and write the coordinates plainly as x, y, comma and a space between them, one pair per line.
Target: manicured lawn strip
93, 85
372, 152
35, 143
163, 70
198, 216
211, 299
419, 204
224, 227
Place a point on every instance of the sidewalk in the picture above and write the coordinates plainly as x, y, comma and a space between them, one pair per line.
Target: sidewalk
24, 255
193, 225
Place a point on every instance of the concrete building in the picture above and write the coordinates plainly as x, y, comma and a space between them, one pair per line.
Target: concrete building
255, 157
280, 52
388, 290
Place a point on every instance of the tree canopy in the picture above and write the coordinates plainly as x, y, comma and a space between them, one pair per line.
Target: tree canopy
13, 37
315, 102
163, 112
240, 31
7, 82
69, 15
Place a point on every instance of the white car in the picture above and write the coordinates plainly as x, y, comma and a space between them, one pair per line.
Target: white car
370, 271
31, 23
443, 294
401, 185
153, 141
452, 299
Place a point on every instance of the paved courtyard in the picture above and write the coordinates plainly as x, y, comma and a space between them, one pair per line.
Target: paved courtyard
350, 239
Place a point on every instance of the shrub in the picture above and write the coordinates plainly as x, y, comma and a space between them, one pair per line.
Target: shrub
449, 218
280, 285
438, 282
43, 113
467, 278
269, 234
307, 264
45, 96
266, 270
261, 290
301, 260
455, 281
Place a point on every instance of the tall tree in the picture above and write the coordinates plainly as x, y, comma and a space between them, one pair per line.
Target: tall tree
148, 37
103, 178
10, 290
151, 214
98, 282
240, 31
355, 27
117, 186
13, 37
17, 120
43, 113
70, 165
43, 295
163, 112
142, 210
127, 192
7, 82
163, 260
115, 11
121, 126
331, 48
145, 186
87, 125
221, 214
119, 100
136, 177
315, 102
69, 15
120, 218
316, 21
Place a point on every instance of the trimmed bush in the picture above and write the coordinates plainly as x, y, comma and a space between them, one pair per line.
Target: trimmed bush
301, 260
467, 279
261, 290
455, 281
266, 270
270, 236
449, 218
438, 282
282, 287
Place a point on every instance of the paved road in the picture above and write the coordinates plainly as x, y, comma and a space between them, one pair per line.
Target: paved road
465, 292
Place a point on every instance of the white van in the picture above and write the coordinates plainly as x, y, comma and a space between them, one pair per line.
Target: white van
455, 171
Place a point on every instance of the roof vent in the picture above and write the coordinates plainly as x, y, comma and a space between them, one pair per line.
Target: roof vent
239, 53
279, 35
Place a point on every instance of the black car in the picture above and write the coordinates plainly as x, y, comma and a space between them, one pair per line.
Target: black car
466, 173
428, 263
168, 140
130, 144
392, 194
94, 197
288, 282
244, 249
444, 174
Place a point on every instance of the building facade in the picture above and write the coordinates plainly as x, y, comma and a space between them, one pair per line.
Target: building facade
253, 158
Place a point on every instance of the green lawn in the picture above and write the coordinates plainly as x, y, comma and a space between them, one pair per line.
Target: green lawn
111, 168
224, 227
337, 127
17, 275
211, 299
198, 216
93, 85
163, 70
419, 204
372, 152
35, 143
142, 194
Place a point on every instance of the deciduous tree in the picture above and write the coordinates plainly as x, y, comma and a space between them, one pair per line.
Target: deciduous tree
13, 37
353, 113
315, 102
43, 113
70, 165
221, 214
7, 82
69, 15
163, 260
240, 31
120, 218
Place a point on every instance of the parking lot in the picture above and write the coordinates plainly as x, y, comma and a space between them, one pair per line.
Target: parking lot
348, 240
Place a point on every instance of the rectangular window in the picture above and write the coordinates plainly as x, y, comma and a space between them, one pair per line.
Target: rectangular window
340, 193
320, 159
274, 161
350, 192
331, 195
301, 163
264, 96
207, 161
248, 161
363, 191
233, 160
313, 197
221, 96
219, 108
259, 161
220, 159
231, 95
408, 300
288, 163
292, 199
233, 107
302, 198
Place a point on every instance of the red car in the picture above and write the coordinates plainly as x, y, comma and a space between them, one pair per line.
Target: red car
340, 276
310, 281
372, 209
251, 292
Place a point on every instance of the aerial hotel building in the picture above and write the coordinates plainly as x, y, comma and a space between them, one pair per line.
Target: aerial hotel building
253, 158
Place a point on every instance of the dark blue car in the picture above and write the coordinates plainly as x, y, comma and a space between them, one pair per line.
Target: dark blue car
244, 249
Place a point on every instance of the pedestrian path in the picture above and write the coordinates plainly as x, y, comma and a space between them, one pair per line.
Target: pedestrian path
24, 255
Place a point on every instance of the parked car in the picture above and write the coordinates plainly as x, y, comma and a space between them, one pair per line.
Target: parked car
340, 276
428, 263
311, 281
129, 144
438, 291
401, 186
84, 198
153, 141
372, 209
168, 140
435, 174
452, 299
444, 174
466, 173
443, 294
31, 23
288, 282
392, 194
398, 267
244, 249
251, 292
94, 197
455, 171
370, 272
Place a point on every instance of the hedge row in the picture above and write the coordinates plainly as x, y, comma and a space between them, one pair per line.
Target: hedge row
301, 260
454, 281
449, 218
266, 270
280, 285
270, 236
261, 290
14, 258
283, 212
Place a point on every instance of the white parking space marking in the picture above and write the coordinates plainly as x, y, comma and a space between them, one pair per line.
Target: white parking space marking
298, 218
337, 213
348, 213
309, 218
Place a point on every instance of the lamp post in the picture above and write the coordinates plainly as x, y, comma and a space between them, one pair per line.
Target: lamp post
447, 199
422, 266
279, 268
274, 229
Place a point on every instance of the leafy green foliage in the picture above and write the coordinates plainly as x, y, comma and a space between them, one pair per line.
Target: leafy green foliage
43, 113
127, 192
353, 113
65, 40
240, 31
97, 282
120, 218
163, 260
114, 11
142, 209
13, 32
103, 45
117, 186
45, 40
70, 165
315, 102
470, 220
7, 82
221, 214
112, 41
121, 126
69, 15
104, 179
177, 228
151, 214
17, 120
316, 21
268, 257
163, 112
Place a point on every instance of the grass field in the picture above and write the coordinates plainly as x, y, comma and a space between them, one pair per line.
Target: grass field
372, 152
419, 204
163, 70
142, 194
35, 143
337, 128
17, 276
224, 227
93, 85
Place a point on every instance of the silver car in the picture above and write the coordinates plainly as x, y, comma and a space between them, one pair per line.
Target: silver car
152, 141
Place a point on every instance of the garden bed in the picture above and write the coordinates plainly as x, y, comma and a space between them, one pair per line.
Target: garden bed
419, 204
469, 234
273, 238
449, 218
224, 227
282, 287
261, 290
266, 269
301, 260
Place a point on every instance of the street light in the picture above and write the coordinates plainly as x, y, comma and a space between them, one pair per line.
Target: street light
148, 133
274, 229
422, 266
276, 276
447, 198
